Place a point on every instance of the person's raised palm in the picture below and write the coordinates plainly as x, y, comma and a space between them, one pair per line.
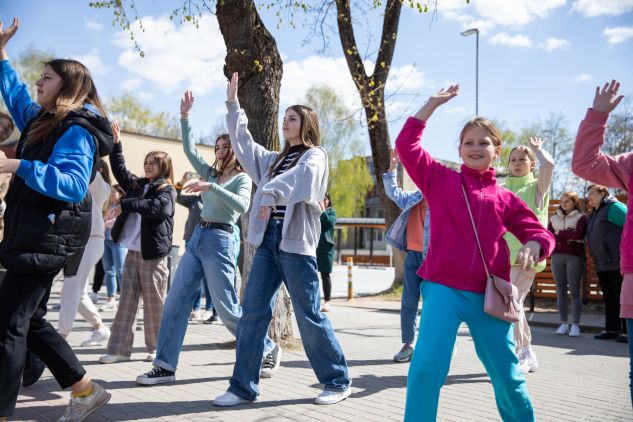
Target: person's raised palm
443, 95
6, 34
116, 131
186, 103
607, 98
394, 160
231, 87
536, 143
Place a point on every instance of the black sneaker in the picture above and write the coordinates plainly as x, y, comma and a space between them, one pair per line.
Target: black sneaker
157, 375
213, 318
271, 363
622, 338
606, 335
33, 369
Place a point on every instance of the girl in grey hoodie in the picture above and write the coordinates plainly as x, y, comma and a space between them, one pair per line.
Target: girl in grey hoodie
284, 226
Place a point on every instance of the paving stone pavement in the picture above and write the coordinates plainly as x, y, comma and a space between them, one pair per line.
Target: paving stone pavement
580, 379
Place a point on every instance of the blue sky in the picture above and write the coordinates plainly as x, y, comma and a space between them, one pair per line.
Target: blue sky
536, 57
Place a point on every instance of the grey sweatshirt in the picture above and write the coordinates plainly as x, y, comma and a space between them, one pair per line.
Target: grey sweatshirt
300, 188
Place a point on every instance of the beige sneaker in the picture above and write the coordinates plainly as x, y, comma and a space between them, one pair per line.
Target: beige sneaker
80, 408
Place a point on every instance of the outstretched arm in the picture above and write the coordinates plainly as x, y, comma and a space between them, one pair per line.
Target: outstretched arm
545, 171
588, 161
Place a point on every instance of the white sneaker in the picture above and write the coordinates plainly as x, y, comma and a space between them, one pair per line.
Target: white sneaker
574, 331
562, 329
530, 358
229, 399
113, 359
271, 363
333, 396
80, 408
524, 366
109, 306
196, 315
150, 357
97, 337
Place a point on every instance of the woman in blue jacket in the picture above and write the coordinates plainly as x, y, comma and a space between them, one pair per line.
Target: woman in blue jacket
47, 220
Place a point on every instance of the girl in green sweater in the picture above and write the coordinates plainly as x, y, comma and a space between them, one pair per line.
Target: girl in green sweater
534, 190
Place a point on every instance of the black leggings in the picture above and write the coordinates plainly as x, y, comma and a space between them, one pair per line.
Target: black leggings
327, 286
23, 299
611, 284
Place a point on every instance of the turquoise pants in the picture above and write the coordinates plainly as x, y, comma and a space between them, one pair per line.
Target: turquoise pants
443, 310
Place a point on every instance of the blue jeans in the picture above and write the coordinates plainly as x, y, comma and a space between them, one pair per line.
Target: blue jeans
209, 253
208, 303
629, 329
410, 295
299, 273
112, 260
443, 310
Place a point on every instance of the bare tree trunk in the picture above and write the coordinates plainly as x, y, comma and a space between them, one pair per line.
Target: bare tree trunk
372, 92
252, 51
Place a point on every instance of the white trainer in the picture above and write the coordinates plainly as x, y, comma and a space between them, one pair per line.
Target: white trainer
530, 358
80, 408
113, 359
333, 396
97, 337
562, 330
229, 399
574, 331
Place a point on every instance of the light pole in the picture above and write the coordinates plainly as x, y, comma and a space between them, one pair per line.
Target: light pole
466, 34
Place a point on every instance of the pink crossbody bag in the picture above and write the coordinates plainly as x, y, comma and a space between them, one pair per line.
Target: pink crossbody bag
501, 297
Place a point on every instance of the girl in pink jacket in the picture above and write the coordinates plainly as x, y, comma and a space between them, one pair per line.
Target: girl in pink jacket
453, 272
590, 163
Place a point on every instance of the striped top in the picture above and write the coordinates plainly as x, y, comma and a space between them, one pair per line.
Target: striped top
293, 153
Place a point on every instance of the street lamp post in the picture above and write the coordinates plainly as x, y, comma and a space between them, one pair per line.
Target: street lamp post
466, 34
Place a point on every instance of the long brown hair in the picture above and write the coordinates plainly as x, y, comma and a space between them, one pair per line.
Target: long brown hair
165, 168
230, 159
76, 89
309, 132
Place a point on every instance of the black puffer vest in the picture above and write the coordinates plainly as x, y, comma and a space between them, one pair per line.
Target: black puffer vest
604, 238
43, 234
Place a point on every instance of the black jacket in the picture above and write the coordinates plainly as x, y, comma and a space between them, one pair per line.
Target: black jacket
604, 238
156, 207
43, 234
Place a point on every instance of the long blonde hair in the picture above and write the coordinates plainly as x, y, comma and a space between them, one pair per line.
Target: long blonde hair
76, 89
309, 132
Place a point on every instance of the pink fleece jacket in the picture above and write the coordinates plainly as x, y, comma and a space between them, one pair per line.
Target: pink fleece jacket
453, 257
590, 163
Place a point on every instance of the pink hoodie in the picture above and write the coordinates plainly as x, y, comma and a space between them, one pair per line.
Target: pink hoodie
453, 258
590, 163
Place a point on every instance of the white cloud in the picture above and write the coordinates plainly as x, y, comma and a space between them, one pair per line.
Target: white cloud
502, 13
508, 40
593, 8
131, 84
618, 34
457, 111
317, 70
94, 25
93, 62
580, 78
175, 56
552, 44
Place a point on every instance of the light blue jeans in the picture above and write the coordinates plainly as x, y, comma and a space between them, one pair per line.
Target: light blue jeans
410, 295
112, 260
209, 253
270, 267
443, 310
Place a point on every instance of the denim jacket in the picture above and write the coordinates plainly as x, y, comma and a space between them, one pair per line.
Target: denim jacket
406, 200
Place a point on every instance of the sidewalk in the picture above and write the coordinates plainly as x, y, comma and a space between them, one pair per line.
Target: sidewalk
581, 379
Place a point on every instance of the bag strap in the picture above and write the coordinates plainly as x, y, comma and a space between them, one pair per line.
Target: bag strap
472, 221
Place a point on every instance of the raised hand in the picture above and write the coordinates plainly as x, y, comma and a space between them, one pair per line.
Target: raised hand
536, 143
607, 98
394, 160
435, 101
443, 95
7, 34
529, 254
231, 87
116, 131
186, 103
198, 187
